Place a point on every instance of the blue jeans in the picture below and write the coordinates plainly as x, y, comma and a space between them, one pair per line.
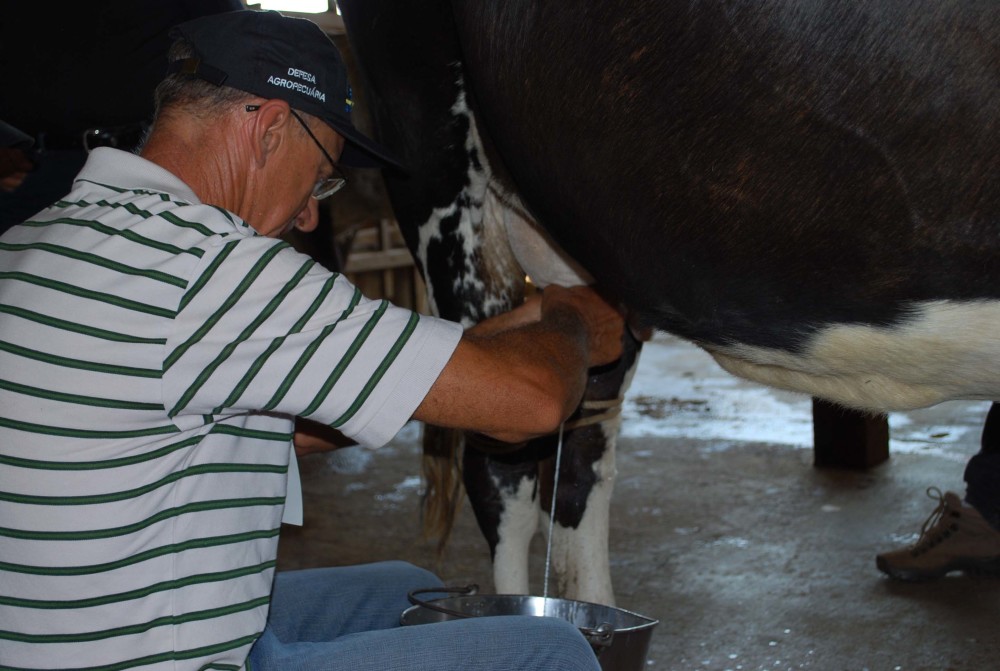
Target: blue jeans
347, 619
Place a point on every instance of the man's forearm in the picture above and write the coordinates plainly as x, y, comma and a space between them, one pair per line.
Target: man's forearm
522, 382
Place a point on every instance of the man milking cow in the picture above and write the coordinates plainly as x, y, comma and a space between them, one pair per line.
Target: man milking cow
158, 349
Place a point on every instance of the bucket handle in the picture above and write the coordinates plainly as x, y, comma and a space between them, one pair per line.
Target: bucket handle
467, 590
599, 637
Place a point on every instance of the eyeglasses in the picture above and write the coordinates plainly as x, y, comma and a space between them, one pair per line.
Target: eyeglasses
323, 188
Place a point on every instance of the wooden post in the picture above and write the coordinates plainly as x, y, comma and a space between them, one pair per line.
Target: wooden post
845, 438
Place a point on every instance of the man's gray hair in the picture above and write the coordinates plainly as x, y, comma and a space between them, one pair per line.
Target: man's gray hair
194, 95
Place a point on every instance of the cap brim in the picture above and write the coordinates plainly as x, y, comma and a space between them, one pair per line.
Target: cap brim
14, 138
363, 152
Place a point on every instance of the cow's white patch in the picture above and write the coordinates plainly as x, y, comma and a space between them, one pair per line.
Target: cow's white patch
949, 350
580, 561
481, 234
518, 525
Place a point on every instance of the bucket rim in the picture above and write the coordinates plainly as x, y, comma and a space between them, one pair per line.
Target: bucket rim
471, 592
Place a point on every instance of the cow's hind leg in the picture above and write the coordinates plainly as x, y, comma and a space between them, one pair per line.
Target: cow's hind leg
580, 564
503, 491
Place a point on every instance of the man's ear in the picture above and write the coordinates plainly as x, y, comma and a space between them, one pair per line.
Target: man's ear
269, 129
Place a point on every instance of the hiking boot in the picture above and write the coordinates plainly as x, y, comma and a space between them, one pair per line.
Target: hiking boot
954, 538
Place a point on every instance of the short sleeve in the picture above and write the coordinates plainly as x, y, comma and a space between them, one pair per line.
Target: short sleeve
263, 328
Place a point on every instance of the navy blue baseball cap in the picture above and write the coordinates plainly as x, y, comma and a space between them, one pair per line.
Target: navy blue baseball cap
274, 56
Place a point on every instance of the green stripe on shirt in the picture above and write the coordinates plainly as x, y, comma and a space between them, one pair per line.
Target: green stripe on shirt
174, 548
231, 300
376, 377
93, 534
248, 331
124, 495
126, 234
83, 329
100, 296
348, 357
96, 260
131, 595
67, 362
77, 399
69, 432
259, 362
170, 620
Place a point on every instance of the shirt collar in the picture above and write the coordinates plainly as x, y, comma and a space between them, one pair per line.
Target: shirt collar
126, 170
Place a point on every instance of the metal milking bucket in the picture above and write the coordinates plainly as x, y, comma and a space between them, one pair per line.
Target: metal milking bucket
619, 638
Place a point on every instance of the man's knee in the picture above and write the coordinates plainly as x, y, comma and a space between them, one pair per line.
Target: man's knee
555, 644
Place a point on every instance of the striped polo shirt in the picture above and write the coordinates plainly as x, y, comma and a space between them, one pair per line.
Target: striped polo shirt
153, 352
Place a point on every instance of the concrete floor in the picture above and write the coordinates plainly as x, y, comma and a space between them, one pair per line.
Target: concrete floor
722, 529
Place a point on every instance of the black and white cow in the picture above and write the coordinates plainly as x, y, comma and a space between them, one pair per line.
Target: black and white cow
808, 190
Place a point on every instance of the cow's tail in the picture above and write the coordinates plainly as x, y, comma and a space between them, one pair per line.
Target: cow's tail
442, 472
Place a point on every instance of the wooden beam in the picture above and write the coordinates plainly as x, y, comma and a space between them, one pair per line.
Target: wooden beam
360, 262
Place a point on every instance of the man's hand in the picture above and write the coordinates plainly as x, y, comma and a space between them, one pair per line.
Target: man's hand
528, 312
519, 375
14, 167
604, 323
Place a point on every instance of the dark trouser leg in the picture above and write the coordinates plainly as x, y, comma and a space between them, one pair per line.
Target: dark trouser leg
982, 474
